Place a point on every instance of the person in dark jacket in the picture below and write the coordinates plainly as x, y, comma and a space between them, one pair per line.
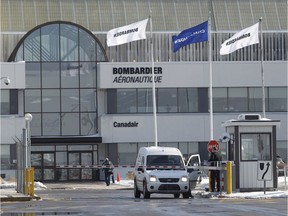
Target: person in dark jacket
108, 171
215, 156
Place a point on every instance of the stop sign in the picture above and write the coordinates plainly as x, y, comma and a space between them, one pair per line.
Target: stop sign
213, 144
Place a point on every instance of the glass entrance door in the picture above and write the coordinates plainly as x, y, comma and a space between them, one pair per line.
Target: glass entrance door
83, 159
44, 166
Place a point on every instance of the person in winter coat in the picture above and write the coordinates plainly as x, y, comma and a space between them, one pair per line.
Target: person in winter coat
108, 171
215, 156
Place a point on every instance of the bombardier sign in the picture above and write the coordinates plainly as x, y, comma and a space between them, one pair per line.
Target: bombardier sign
136, 74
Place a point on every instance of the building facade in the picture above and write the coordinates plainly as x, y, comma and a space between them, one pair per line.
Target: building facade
87, 104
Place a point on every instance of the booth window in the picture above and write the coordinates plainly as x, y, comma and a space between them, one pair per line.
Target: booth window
255, 146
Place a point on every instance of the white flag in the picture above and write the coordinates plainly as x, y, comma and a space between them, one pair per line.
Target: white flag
128, 33
246, 37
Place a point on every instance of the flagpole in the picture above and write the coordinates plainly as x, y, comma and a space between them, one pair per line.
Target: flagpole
153, 82
262, 71
210, 77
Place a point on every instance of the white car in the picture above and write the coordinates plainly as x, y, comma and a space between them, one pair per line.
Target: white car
161, 170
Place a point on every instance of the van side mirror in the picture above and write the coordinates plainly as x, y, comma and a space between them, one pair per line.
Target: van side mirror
189, 170
140, 169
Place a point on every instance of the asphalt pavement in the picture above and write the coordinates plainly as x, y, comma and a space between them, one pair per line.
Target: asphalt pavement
11, 195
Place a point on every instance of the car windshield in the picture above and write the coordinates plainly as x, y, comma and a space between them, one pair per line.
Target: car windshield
165, 160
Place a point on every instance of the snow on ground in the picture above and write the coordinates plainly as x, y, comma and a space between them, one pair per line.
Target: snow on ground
200, 190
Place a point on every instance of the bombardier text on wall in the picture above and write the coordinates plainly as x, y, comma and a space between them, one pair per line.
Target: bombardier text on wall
136, 74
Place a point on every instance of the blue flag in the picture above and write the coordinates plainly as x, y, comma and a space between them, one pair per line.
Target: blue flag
195, 34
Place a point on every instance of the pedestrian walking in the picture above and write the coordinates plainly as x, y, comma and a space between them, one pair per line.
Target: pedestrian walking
108, 171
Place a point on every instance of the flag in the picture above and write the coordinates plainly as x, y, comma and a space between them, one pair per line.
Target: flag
128, 33
246, 37
195, 34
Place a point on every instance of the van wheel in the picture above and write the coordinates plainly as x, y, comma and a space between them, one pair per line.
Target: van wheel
186, 195
137, 193
176, 195
146, 194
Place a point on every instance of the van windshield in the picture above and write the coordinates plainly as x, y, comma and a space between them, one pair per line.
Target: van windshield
165, 160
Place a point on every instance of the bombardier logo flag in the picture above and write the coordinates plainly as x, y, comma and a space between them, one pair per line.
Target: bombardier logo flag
246, 37
128, 33
192, 35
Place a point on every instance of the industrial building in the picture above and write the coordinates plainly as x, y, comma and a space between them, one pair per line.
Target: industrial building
84, 112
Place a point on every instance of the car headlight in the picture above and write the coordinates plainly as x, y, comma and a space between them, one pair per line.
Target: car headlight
184, 178
153, 179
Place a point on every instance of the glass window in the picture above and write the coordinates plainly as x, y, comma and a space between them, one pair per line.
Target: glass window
88, 123
188, 99
220, 100
237, 99
5, 102
70, 100
20, 54
32, 47
127, 153
70, 123
88, 74
87, 46
60, 56
61, 158
74, 158
50, 75
33, 75
68, 42
50, 42
86, 158
88, 100
36, 125
79, 147
33, 100
167, 100
61, 174
255, 99
37, 174
126, 100
43, 148
277, 99
50, 100
51, 124
255, 146
5, 156
193, 148
49, 174
48, 159
144, 100
70, 75
36, 159
61, 147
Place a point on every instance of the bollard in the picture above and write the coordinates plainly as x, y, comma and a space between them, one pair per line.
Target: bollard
229, 177
31, 178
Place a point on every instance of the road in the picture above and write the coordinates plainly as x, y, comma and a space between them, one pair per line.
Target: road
112, 201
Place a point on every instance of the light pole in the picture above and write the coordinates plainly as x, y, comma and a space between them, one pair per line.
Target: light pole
28, 119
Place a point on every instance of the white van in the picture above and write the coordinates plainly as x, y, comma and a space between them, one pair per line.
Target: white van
160, 170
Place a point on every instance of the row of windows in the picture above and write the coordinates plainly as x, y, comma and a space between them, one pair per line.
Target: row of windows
191, 100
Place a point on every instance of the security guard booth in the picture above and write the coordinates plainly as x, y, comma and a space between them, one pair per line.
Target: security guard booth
252, 147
